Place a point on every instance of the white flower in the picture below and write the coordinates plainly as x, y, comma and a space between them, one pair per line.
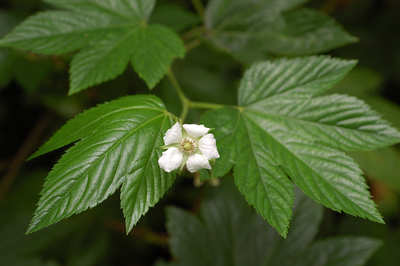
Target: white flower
188, 144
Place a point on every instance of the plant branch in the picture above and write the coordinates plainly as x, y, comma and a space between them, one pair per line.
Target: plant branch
198, 5
22, 154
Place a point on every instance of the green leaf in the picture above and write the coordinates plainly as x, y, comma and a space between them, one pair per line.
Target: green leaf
135, 10
118, 148
228, 232
57, 32
105, 60
157, 45
111, 33
280, 130
300, 77
307, 216
251, 30
308, 31
343, 251
174, 16
90, 121
258, 176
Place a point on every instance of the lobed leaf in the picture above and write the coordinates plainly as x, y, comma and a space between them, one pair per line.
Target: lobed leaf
175, 17
118, 148
280, 130
307, 216
57, 32
252, 30
258, 176
301, 76
103, 61
308, 31
228, 232
111, 33
158, 45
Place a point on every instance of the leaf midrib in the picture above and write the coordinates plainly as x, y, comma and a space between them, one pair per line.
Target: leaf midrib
66, 34
147, 165
97, 160
316, 172
319, 125
110, 49
111, 11
260, 174
56, 145
239, 14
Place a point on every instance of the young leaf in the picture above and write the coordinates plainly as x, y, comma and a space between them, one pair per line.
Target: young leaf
119, 146
343, 251
229, 232
279, 128
113, 33
250, 30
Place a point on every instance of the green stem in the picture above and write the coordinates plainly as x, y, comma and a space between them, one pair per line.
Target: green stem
202, 105
185, 101
199, 7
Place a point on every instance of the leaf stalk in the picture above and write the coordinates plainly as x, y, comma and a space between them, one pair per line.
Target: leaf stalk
186, 103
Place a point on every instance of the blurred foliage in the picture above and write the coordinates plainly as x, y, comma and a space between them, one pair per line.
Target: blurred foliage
34, 104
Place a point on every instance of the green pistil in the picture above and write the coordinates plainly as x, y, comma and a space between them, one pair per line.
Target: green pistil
187, 146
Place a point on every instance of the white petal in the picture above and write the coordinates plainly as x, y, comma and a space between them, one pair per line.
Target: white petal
208, 147
196, 162
196, 130
171, 159
173, 135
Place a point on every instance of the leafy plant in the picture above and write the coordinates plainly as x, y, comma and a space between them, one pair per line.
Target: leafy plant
229, 232
284, 128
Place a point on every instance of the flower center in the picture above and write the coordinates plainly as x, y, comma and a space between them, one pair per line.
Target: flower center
188, 146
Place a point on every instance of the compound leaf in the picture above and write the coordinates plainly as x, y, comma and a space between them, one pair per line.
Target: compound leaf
112, 33
308, 31
119, 147
91, 120
57, 32
228, 232
258, 176
104, 60
252, 30
280, 129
